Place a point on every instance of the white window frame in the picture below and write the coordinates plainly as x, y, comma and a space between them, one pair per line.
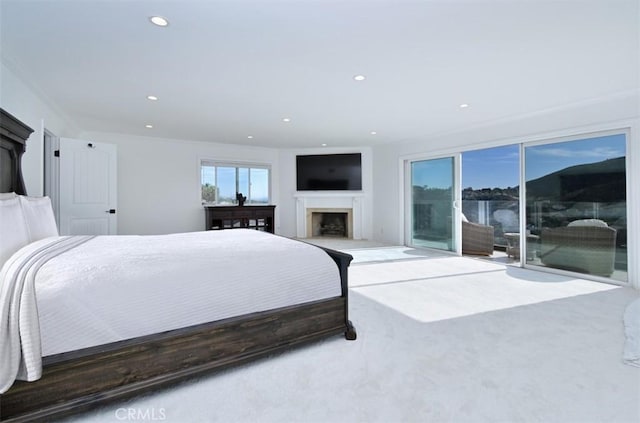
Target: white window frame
237, 166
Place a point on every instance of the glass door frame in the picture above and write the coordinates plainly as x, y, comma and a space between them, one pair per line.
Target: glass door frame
523, 202
631, 199
456, 206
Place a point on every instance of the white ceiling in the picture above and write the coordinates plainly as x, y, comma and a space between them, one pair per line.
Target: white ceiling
227, 69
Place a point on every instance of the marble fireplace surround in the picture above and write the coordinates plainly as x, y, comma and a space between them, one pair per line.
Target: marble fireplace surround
342, 202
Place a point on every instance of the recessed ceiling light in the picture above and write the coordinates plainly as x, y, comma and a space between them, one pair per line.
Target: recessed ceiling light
464, 105
323, 144
148, 126
359, 77
249, 136
152, 97
286, 119
159, 20
373, 132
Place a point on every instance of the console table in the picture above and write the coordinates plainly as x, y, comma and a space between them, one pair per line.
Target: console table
233, 217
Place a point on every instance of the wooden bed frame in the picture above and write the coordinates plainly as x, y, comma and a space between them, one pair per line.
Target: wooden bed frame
79, 380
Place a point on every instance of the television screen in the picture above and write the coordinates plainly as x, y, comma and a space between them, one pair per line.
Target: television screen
322, 172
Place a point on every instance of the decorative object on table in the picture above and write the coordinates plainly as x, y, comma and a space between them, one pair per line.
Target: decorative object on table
241, 198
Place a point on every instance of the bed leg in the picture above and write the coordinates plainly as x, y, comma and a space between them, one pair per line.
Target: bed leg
350, 333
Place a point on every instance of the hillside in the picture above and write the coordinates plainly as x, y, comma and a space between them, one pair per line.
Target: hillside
593, 182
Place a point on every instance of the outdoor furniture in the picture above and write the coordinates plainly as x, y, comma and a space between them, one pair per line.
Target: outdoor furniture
513, 245
582, 246
508, 220
477, 239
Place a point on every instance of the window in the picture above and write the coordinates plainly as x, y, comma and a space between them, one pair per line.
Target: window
221, 181
577, 205
491, 192
432, 201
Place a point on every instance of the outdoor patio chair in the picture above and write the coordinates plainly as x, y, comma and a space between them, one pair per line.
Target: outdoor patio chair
477, 239
583, 246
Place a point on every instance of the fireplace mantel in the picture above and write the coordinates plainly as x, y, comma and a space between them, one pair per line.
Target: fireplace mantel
329, 200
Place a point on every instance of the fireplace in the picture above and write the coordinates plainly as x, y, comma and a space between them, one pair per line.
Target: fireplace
334, 223
329, 224
350, 203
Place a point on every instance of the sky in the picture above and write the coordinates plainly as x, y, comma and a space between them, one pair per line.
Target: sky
499, 167
491, 168
544, 159
436, 173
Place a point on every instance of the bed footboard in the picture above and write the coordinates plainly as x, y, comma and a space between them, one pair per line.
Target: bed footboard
80, 380
343, 260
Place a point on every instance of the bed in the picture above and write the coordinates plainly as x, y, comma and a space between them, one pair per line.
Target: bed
83, 373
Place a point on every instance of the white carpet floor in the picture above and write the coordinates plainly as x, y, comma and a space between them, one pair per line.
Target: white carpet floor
440, 339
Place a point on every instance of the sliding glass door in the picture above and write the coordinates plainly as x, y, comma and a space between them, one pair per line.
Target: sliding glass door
432, 200
491, 193
560, 205
576, 206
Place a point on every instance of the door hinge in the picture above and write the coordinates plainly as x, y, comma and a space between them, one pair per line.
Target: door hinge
56, 153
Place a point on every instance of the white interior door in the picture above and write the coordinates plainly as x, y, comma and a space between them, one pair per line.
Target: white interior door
88, 188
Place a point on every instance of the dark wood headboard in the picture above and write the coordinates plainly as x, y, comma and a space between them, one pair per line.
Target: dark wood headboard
13, 139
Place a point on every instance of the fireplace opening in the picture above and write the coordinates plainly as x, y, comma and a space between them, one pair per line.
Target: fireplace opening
330, 224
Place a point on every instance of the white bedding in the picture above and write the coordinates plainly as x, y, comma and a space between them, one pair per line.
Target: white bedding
111, 288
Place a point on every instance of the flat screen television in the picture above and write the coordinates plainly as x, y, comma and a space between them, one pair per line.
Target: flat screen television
329, 172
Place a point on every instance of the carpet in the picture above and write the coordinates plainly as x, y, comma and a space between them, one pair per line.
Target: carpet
433, 347
631, 354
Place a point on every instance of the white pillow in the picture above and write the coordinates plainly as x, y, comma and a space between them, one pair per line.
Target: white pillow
13, 228
39, 217
589, 222
7, 195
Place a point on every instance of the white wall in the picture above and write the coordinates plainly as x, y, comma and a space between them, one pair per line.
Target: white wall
611, 113
287, 187
159, 180
30, 107
173, 203
617, 112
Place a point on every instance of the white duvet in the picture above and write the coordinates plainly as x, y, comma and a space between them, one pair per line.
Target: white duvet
111, 288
